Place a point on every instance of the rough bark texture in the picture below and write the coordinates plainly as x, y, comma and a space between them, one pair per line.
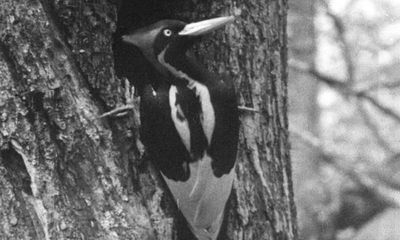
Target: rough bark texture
65, 174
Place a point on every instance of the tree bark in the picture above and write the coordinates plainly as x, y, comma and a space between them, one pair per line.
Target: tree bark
66, 174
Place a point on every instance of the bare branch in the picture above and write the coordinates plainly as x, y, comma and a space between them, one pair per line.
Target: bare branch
374, 129
381, 85
386, 110
330, 156
344, 88
340, 28
330, 81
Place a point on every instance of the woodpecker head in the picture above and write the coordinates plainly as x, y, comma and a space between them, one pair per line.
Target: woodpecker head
167, 40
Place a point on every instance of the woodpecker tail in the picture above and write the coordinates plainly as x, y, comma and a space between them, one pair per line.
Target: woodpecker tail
202, 198
212, 232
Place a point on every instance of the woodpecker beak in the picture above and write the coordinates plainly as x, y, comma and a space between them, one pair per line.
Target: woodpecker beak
141, 38
130, 39
206, 26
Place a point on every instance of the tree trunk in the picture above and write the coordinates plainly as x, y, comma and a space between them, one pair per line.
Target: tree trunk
66, 174
304, 115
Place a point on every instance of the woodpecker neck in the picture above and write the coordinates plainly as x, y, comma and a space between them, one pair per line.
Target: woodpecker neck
184, 69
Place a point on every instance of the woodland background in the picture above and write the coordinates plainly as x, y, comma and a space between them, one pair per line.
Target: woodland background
66, 174
344, 93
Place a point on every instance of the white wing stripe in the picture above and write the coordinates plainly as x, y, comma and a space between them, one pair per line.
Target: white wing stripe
182, 126
208, 115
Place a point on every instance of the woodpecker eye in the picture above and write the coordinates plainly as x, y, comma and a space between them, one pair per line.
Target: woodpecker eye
167, 32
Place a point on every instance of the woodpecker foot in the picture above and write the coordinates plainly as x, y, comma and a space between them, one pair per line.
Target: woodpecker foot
247, 109
129, 106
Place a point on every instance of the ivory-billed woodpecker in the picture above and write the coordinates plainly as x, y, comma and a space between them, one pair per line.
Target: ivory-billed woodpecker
190, 123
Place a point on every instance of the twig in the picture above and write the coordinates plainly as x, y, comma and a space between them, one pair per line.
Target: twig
374, 129
340, 28
381, 85
330, 156
344, 88
379, 105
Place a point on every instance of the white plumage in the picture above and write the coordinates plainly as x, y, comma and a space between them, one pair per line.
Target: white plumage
182, 126
202, 198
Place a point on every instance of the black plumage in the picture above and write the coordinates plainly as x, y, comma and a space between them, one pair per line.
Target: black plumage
189, 122
162, 141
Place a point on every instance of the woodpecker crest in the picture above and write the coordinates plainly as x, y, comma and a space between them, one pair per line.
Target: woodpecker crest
189, 122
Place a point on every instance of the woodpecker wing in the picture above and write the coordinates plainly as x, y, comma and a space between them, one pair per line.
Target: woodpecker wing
223, 147
158, 133
222, 154
174, 127
203, 197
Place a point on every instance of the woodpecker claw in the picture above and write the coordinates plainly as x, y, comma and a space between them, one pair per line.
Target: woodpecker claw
129, 106
119, 111
129, 93
247, 109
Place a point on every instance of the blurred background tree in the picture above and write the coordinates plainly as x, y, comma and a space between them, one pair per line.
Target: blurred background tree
345, 117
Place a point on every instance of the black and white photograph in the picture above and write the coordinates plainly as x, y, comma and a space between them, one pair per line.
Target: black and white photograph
199, 120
